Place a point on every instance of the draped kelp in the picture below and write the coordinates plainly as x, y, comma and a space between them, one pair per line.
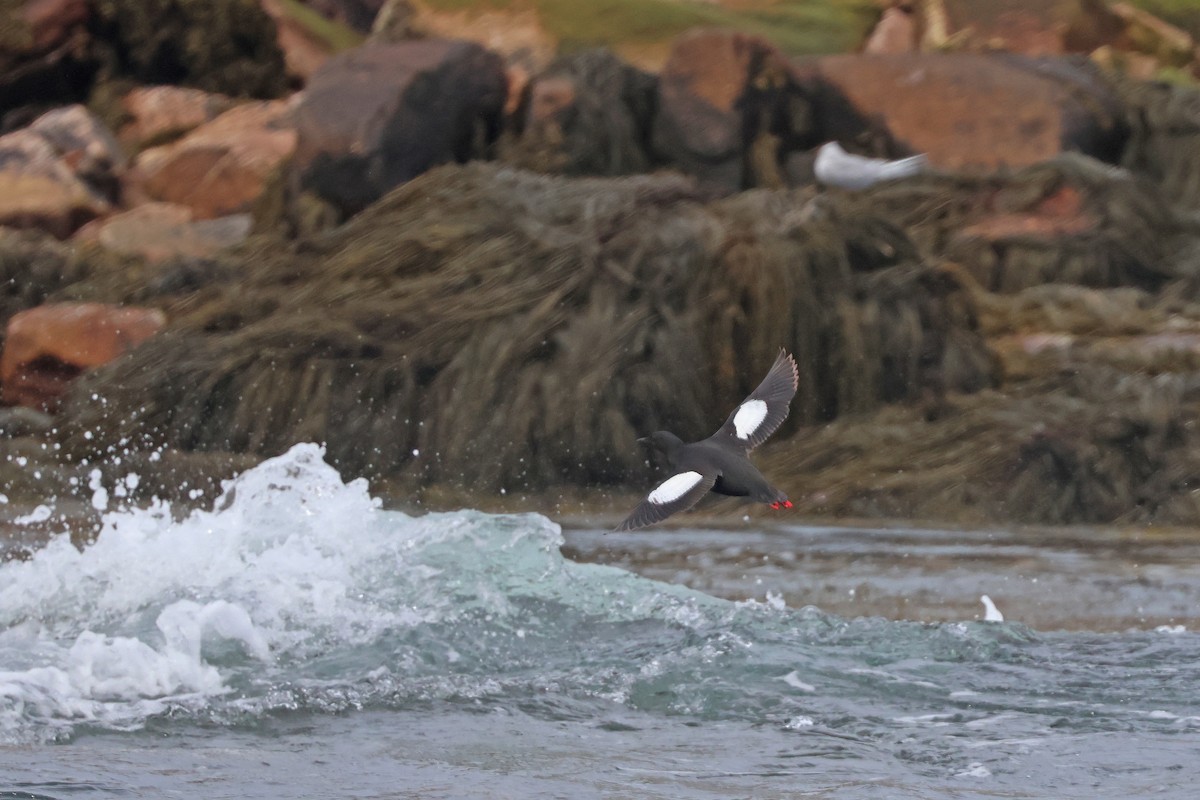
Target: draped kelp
492, 328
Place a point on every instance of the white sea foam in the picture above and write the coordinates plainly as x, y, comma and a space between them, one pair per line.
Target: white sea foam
290, 593
130, 625
39, 514
793, 679
974, 770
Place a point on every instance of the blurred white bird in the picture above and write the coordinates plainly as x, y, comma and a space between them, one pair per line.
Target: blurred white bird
835, 167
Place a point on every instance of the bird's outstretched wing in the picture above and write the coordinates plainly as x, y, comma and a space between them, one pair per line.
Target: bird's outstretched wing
761, 414
677, 493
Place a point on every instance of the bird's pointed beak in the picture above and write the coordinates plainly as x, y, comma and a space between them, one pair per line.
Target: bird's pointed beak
644, 440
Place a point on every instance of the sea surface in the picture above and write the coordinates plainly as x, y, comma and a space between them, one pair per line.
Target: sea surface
298, 640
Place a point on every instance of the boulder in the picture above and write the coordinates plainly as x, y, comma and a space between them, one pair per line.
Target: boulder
46, 347
380, 115
518, 35
589, 113
39, 190
44, 52
158, 232
155, 115
221, 167
896, 32
968, 111
86, 146
306, 39
728, 109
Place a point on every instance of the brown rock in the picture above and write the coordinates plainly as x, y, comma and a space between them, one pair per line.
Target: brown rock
52, 22
896, 32
47, 346
379, 115
517, 35
86, 146
303, 51
39, 190
1030, 27
720, 92
158, 114
1057, 215
221, 167
161, 231
78, 136
970, 111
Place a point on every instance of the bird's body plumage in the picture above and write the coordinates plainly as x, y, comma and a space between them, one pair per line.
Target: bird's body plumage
719, 463
835, 167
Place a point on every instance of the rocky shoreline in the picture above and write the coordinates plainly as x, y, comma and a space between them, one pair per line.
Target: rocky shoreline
477, 277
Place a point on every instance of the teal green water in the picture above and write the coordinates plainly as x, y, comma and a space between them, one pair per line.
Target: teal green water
301, 639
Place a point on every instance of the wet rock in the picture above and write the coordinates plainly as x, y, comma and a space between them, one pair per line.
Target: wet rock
382, 114
970, 112
44, 56
729, 109
221, 167
155, 115
587, 114
159, 232
48, 346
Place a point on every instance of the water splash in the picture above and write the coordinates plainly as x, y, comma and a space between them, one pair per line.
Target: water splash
298, 592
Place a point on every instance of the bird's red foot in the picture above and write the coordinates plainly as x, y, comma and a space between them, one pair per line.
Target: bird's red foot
778, 505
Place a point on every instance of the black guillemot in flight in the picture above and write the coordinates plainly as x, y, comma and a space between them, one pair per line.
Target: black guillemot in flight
719, 463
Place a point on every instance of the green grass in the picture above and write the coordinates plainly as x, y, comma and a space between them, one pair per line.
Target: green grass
336, 35
796, 26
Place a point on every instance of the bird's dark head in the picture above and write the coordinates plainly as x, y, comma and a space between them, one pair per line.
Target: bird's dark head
662, 442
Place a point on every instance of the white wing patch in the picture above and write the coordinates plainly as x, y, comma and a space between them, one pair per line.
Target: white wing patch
749, 416
674, 488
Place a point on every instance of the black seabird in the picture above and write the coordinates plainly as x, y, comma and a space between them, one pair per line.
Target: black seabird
719, 463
